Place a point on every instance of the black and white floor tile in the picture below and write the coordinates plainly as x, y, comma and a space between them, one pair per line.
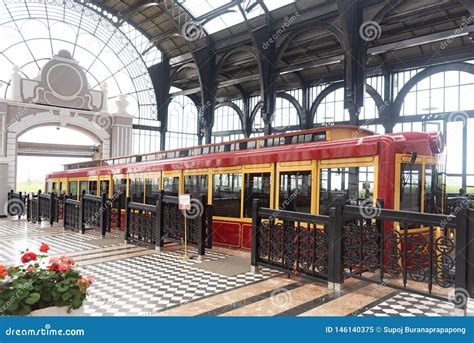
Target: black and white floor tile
412, 305
145, 285
61, 242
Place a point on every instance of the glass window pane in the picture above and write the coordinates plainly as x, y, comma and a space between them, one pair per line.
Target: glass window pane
171, 185
152, 189
410, 187
257, 186
226, 195
295, 191
196, 185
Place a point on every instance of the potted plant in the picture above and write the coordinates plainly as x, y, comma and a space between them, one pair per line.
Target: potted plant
41, 287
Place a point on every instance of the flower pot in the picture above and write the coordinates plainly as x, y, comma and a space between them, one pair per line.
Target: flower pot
57, 311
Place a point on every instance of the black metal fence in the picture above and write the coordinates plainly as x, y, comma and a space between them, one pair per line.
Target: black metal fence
43, 207
153, 225
290, 241
418, 252
16, 204
73, 215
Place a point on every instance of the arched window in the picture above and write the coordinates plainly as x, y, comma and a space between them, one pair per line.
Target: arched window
286, 116
257, 124
33, 31
447, 91
227, 125
182, 123
331, 109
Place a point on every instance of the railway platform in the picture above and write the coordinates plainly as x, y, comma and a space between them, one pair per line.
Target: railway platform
131, 280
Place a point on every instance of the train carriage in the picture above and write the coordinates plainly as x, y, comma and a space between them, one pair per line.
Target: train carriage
302, 171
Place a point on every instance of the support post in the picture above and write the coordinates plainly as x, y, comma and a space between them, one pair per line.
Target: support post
201, 239
22, 205
82, 224
209, 213
103, 215
461, 262
127, 219
335, 265
64, 211
38, 213
470, 253
159, 222
119, 211
52, 206
28, 207
255, 224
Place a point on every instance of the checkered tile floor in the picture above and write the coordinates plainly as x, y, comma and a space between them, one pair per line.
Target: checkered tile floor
411, 305
147, 284
60, 242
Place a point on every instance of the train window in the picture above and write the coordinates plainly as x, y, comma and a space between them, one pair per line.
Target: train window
61, 188
136, 189
256, 186
226, 195
83, 186
53, 187
171, 185
104, 187
354, 184
93, 187
196, 185
120, 188
410, 187
295, 191
319, 137
73, 189
152, 189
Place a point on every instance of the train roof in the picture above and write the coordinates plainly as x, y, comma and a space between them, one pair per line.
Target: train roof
336, 144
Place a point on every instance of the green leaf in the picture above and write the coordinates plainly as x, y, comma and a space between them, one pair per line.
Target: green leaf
32, 298
61, 287
66, 296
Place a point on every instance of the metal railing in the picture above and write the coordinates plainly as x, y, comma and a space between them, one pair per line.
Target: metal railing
418, 252
153, 225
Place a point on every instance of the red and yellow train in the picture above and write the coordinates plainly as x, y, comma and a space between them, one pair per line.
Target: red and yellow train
300, 171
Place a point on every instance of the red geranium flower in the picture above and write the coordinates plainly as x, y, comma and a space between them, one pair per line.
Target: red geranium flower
44, 247
29, 256
3, 272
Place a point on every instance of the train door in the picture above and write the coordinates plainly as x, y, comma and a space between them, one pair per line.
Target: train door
152, 187
73, 188
257, 184
296, 186
172, 183
105, 185
353, 179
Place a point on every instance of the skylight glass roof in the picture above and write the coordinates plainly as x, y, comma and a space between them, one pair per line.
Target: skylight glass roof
231, 15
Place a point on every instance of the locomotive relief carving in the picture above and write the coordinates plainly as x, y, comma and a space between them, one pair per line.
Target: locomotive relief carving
62, 82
